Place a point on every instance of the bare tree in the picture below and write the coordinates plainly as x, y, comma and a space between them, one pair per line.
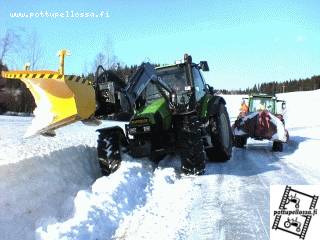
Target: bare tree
7, 43
110, 58
106, 57
34, 53
99, 60
16, 96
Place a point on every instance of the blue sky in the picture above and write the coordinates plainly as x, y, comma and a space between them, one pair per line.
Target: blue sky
244, 42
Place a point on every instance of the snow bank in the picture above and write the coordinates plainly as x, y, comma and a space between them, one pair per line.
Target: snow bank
99, 211
304, 142
303, 108
43, 187
40, 176
165, 214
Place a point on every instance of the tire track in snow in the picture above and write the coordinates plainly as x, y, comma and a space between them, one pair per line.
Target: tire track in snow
262, 156
245, 193
206, 214
233, 199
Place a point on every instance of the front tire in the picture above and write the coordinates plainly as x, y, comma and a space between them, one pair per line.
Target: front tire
193, 156
221, 136
109, 151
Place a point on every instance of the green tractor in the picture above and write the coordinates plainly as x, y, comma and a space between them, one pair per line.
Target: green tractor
258, 102
173, 111
262, 119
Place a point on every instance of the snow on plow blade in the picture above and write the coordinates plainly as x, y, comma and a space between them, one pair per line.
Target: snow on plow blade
60, 99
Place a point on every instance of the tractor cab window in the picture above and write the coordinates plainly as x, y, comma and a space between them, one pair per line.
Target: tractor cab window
198, 84
260, 104
152, 93
176, 78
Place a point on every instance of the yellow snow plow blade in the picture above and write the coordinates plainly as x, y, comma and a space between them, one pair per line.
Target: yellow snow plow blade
60, 99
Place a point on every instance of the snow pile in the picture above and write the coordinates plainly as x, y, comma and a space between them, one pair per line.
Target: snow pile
43, 187
281, 133
99, 211
40, 176
43, 114
164, 216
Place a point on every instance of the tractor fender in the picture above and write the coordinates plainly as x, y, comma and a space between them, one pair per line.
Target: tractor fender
109, 129
213, 105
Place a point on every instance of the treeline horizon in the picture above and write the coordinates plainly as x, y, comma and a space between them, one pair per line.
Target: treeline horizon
272, 88
16, 97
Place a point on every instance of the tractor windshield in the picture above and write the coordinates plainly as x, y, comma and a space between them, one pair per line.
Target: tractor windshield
260, 104
174, 76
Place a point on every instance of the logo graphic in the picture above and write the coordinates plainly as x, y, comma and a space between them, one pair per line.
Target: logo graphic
294, 214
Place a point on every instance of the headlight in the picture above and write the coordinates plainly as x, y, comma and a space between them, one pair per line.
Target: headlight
146, 128
132, 130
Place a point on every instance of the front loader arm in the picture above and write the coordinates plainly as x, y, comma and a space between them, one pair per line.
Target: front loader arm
108, 88
140, 80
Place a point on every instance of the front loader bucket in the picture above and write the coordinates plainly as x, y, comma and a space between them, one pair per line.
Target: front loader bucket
60, 99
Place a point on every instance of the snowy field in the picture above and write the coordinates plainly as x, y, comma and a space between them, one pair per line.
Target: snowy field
51, 188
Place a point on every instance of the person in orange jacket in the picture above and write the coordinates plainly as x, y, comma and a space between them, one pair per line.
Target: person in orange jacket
244, 109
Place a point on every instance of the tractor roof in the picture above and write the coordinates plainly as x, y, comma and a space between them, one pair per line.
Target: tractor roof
173, 65
262, 95
169, 65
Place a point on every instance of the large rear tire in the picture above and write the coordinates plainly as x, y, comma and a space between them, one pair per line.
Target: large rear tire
193, 158
221, 136
109, 150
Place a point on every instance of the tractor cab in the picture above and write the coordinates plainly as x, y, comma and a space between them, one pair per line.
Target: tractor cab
186, 83
182, 86
262, 102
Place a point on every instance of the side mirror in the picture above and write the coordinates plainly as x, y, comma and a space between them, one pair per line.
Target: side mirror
204, 66
210, 89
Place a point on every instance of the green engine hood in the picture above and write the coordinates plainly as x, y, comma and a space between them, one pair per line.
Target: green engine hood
153, 111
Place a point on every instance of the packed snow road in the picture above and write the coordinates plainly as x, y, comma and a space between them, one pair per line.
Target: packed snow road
231, 201
51, 188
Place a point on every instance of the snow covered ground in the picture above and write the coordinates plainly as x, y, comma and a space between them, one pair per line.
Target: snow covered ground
51, 188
